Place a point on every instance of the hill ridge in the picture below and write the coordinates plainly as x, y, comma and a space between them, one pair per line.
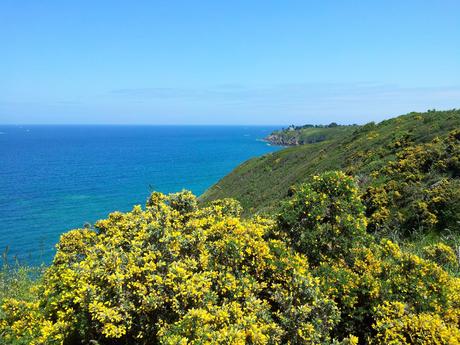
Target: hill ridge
361, 151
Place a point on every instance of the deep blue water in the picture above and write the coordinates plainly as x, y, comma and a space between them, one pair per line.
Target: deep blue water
56, 178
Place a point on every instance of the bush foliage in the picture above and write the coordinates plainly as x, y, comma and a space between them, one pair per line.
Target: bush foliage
178, 273
408, 172
419, 190
325, 218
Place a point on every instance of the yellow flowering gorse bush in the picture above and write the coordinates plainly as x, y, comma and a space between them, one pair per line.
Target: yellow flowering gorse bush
175, 274
441, 253
419, 190
360, 273
178, 273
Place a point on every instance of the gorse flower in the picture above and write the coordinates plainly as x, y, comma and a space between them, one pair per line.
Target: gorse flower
180, 273
175, 273
325, 217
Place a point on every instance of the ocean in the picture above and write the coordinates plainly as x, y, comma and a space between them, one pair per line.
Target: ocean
57, 178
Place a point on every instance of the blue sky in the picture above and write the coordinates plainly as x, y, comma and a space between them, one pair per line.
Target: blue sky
226, 62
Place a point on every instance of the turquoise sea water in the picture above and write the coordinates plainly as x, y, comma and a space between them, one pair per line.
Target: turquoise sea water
55, 178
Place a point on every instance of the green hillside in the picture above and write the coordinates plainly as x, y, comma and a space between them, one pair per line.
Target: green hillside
366, 152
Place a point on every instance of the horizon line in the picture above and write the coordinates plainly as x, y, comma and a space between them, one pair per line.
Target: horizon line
181, 124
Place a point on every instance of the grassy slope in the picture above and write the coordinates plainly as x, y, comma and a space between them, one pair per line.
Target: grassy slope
261, 182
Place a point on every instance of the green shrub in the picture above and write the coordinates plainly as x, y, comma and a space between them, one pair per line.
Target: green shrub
174, 274
396, 325
324, 218
440, 253
19, 292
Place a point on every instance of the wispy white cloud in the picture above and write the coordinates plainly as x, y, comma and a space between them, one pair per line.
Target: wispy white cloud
300, 92
240, 104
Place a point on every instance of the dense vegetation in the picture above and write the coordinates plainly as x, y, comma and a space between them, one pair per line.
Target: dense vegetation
318, 268
407, 170
177, 273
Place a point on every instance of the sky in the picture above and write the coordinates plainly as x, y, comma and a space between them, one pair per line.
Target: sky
226, 62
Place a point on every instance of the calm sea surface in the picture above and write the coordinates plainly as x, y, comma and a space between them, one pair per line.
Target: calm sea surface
56, 178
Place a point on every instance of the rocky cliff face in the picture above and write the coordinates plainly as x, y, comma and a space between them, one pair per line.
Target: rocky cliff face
276, 139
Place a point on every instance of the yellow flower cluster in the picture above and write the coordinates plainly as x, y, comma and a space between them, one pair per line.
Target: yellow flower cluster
325, 217
441, 253
175, 274
418, 190
382, 274
396, 325
361, 274
178, 273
